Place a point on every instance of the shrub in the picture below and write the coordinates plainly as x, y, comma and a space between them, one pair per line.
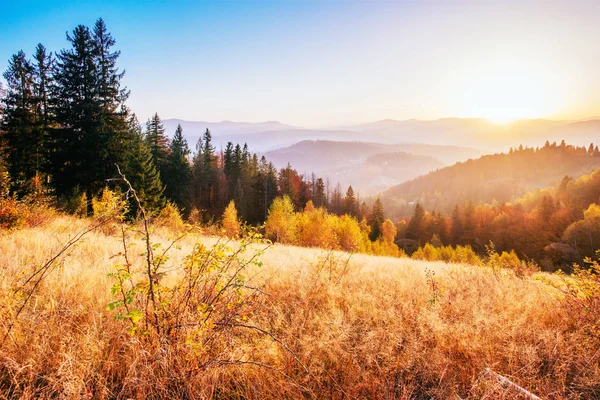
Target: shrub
12, 214
580, 294
170, 217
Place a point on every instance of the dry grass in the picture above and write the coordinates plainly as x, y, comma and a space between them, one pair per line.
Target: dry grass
373, 327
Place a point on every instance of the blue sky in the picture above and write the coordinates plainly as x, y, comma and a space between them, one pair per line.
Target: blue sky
330, 63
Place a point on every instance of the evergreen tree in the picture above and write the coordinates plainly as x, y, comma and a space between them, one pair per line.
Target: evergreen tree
178, 176
414, 226
319, 198
350, 205
158, 143
43, 81
376, 219
20, 138
336, 203
457, 226
88, 103
141, 171
208, 178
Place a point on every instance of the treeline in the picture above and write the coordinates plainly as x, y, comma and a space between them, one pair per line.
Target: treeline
555, 227
316, 227
492, 179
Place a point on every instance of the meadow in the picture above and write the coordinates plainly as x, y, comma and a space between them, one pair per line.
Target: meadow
293, 323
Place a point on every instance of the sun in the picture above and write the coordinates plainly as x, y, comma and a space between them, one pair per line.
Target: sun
501, 118
506, 91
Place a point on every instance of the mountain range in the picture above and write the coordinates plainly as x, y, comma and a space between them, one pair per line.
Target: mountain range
465, 132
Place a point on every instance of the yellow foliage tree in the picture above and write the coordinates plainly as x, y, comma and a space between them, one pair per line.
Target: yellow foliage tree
315, 227
349, 234
230, 223
388, 232
280, 225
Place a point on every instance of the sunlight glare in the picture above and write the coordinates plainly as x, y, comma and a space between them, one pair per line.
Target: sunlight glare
506, 91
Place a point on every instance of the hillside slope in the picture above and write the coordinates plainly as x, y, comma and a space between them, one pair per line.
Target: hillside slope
491, 178
368, 167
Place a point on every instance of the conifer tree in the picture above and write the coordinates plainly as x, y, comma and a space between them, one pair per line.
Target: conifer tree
158, 143
144, 177
377, 218
88, 103
19, 136
457, 226
178, 175
414, 226
197, 176
336, 203
319, 198
208, 179
350, 205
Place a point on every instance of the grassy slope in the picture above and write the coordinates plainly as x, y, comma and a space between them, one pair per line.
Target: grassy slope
364, 329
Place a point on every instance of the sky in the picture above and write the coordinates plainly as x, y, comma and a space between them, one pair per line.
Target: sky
335, 63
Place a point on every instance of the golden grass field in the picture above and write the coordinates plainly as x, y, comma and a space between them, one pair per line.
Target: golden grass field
367, 328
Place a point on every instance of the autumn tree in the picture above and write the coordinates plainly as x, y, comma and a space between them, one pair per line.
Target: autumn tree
230, 222
280, 225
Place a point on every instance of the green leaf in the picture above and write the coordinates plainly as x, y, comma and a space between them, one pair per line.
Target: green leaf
135, 315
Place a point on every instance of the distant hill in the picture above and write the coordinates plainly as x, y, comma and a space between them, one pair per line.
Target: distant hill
464, 132
368, 167
491, 178
474, 131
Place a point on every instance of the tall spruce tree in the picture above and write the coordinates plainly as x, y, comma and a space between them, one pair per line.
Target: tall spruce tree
43, 80
88, 103
414, 226
319, 197
350, 204
376, 219
158, 143
178, 178
209, 162
19, 135
141, 171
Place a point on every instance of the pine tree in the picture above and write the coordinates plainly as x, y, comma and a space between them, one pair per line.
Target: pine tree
376, 219
414, 226
158, 143
178, 174
18, 121
457, 226
319, 198
229, 167
350, 205
205, 176
141, 171
336, 203
43, 81
88, 103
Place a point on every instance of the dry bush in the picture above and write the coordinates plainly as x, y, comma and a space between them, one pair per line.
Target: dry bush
170, 217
